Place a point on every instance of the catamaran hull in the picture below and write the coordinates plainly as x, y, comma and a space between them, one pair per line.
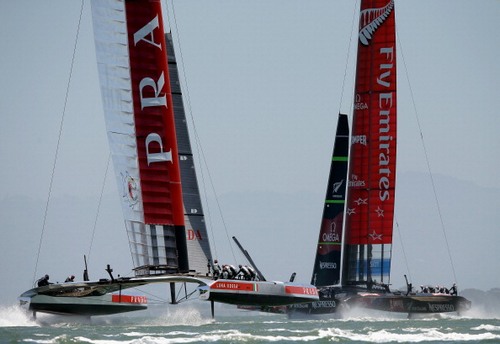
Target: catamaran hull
84, 306
419, 303
258, 293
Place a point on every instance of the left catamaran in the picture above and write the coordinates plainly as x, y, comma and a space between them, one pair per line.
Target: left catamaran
154, 169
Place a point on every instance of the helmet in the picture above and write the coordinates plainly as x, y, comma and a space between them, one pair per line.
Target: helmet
72, 276
46, 276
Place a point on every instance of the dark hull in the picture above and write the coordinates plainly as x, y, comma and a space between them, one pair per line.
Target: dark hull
413, 303
321, 307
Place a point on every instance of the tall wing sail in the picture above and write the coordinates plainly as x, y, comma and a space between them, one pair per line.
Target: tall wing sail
138, 107
372, 168
328, 254
198, 244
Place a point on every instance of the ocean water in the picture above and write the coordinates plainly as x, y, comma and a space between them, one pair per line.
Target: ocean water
192, 325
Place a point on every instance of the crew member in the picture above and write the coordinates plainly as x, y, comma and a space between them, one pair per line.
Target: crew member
453, 290
253, 274
43, 281
243, 273
217, 269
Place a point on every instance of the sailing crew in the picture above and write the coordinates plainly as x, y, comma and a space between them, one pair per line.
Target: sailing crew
253, 274
217, 269
70, 279
453, 289
243, 273
228, 271
232, 271
225, 271
43, 281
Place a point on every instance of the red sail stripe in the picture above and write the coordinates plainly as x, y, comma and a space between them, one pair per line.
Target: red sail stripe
153, 114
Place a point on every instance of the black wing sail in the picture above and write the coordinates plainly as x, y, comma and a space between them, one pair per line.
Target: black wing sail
328, 254
198, 245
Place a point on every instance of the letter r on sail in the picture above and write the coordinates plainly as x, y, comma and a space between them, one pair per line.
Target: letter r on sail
160, 156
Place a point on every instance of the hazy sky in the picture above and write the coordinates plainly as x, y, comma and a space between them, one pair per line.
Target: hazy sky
263, 82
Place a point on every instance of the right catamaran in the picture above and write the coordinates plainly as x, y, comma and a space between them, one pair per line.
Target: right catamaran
354, 269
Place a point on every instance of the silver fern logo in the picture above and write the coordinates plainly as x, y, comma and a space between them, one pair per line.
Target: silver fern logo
370, 20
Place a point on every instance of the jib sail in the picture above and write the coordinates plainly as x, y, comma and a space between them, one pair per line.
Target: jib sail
328, 254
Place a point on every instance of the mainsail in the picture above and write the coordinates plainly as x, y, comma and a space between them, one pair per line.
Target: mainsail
326, 270
137, 99
372, 167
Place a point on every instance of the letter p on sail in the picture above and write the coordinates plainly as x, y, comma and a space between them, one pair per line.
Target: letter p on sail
161, 156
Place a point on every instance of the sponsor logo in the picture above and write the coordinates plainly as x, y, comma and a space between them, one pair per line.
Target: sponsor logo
386, 106
370, 20
355, 182
331, 236
233, 286
441, 307
358, 104
151, 93
193, 234
323, 304
291, 289
327, 265
129, 299
360, 139
130, 189
336, 186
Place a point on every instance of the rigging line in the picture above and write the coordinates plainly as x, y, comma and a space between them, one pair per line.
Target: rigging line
428, 163
61, 125
348, 55
197, 138
99, 205
403, 248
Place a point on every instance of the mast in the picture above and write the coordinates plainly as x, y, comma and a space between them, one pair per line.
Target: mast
138, 107
326, 270
372, 167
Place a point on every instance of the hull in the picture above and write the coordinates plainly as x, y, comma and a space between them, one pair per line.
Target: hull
413, 303
101, 297
86, 306
258, 293
330, 303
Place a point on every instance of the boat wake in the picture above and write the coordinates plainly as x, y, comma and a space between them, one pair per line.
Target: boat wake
14, 316
188, 315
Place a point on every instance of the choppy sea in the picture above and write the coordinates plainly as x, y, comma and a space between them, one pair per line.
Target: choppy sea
194, 325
